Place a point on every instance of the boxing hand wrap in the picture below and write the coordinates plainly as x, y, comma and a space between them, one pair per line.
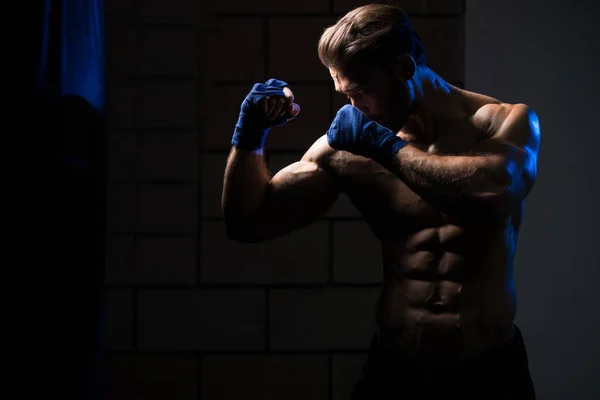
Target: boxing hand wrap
354, 132
251, 129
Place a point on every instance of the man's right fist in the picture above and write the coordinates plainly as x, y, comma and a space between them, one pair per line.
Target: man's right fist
267, 106
276, 107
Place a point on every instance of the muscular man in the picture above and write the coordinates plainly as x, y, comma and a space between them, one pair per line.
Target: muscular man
439, 173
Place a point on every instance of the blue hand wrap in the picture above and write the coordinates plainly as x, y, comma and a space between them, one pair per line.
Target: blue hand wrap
252, 127
354, 132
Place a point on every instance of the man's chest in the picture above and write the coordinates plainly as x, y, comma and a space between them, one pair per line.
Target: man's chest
385, 199
460, 138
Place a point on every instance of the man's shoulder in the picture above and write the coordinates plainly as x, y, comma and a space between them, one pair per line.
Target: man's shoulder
499, 109
494, 115
516, 123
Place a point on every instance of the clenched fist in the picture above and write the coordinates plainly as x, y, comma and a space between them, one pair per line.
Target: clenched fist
268, 105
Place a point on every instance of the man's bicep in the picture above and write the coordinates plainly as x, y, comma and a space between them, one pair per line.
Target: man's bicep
521, 130
297, 195
303, 187
513, 150
319, 151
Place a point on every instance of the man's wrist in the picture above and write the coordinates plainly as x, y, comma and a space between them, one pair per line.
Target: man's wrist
249, 140
258, 152
388, 147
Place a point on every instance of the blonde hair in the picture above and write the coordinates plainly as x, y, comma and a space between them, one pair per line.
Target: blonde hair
369, 36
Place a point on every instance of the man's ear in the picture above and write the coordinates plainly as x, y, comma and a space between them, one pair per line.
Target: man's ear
405, 67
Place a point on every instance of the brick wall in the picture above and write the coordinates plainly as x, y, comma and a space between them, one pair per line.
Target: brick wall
191, 314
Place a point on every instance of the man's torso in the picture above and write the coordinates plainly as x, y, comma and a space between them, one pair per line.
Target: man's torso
448, 289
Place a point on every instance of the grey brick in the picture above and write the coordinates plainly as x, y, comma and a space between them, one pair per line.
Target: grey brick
274, 7
213, 169
121, 205
293, 48
120, 265
444, 43
150, 376
118, 305
173, 11
121, 104
299, 257
168, 260
168, 208
167, 156
220, 114
165, 104
123, 55
121, 12
410, 6
121, 155
322, 318
246, 62
356, 253
201, 319
347, 370
169, 51
268, 377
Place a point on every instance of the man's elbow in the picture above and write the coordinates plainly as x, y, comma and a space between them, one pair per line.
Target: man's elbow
496, 190
506, 191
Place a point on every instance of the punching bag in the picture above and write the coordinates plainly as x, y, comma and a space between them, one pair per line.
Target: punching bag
68, 198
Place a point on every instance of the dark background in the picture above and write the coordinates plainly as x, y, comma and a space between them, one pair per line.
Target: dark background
143, 96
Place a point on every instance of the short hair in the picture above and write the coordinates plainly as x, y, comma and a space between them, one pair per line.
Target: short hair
369, 36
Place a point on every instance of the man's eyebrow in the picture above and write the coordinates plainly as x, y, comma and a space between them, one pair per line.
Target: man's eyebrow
351, 88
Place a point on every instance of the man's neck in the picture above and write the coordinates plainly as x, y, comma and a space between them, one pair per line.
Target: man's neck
433, 104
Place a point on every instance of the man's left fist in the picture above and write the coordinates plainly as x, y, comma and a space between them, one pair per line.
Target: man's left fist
354, 132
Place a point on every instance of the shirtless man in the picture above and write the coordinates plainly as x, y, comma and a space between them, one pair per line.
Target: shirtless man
439, 173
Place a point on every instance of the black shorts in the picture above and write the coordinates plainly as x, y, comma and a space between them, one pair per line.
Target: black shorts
502, 373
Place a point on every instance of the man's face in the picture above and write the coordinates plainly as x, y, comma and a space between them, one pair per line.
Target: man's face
381, 97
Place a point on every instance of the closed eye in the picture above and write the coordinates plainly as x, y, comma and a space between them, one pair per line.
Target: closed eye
354, 92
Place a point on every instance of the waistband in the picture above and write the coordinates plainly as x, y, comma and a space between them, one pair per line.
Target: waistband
499, 355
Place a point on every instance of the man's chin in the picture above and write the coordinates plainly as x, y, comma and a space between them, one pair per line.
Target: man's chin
393, 124
387, 122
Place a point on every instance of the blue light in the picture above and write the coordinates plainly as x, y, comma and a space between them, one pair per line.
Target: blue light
82, 52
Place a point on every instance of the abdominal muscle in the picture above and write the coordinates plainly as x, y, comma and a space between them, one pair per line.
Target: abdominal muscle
442, 306
448, 289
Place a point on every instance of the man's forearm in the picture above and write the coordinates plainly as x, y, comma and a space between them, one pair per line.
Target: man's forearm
476, 177
245, 184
